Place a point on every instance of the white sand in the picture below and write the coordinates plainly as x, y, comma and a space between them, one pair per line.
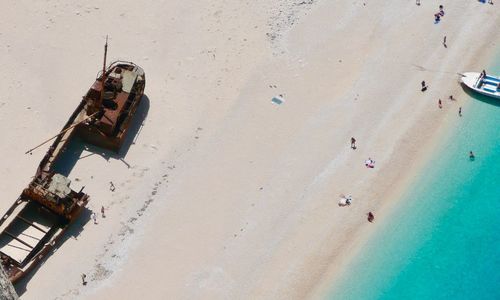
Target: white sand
229, 195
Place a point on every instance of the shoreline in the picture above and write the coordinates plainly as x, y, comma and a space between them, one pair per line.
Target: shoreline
370, 245
403, 185
388, 208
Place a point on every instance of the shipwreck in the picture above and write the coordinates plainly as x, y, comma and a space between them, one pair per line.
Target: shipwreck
37, 220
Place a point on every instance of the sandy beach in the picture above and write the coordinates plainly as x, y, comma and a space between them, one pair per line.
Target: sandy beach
221, 192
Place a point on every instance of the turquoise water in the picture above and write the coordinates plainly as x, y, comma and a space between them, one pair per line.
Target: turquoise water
443, 242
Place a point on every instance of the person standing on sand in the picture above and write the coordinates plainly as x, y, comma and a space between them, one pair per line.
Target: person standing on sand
83, 279
444, 42
111, 186
94, 217
371, 217
437, 18
102, 212
424, 86
440, 104
417, 2
353, 143
460, 111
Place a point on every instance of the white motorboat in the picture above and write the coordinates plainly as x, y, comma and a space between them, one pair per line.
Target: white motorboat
487, 85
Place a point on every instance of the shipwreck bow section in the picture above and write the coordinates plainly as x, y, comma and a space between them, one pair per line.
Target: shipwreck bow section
114, 104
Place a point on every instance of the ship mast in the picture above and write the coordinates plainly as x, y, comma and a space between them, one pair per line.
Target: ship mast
105, 54
98, 105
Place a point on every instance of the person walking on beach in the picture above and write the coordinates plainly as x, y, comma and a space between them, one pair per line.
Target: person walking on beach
440, 104
111, 186
460, 111
84, 282
424, 86
353, 143
437, 18
94, 217
444, 42
102, 212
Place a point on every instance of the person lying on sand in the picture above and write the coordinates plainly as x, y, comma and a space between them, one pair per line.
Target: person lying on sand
345, 201
369, 163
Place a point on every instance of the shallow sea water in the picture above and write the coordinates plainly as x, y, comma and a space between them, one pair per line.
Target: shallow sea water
443, 241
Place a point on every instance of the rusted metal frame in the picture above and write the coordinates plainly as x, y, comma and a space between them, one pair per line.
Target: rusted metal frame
104, 116
100, 131
17, 239
30, 223
30, 236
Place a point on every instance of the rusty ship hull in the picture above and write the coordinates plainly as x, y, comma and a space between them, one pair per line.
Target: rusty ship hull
121, 94
38, 219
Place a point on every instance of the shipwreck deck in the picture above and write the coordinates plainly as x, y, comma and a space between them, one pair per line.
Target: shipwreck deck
26, 229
